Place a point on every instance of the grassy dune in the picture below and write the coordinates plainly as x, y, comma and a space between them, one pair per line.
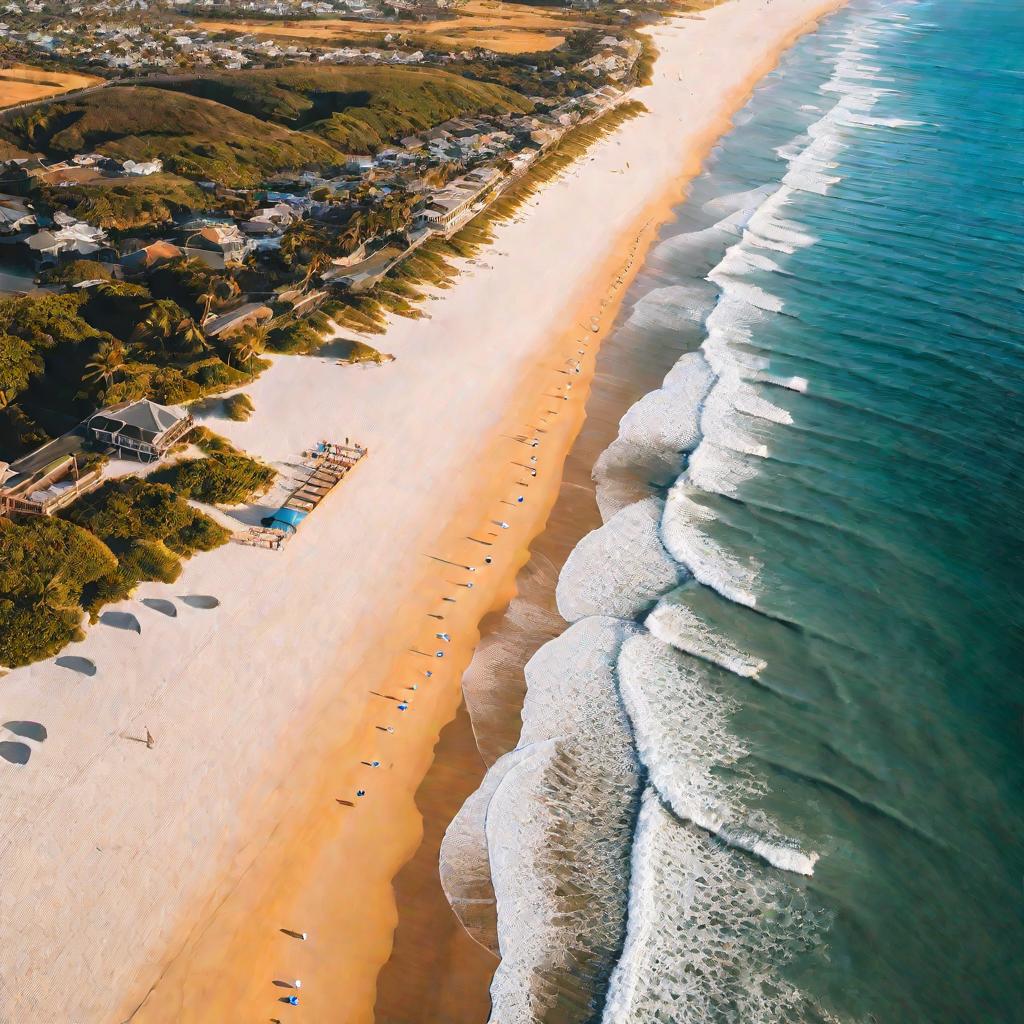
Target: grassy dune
356, 109
195, 138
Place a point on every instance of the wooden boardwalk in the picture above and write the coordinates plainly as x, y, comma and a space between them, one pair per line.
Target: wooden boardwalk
326, 464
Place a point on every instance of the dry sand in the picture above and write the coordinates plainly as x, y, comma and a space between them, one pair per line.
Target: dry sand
152, 885
21, 83
502, 27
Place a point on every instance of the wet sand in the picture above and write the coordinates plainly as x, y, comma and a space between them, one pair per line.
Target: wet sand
460, 969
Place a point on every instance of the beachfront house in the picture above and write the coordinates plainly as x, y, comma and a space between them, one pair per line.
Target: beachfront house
46, 480
223, 240
150, 256
452, 207
140, 429
16, 215
234, 320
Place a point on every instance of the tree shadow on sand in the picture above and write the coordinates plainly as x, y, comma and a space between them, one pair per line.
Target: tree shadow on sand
121, 620
158, 604
27, 730
76, 664
15, 753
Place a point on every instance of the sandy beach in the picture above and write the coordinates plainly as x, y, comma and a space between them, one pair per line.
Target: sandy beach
160, 885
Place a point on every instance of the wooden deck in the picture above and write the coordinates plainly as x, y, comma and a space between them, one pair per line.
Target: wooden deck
326, 464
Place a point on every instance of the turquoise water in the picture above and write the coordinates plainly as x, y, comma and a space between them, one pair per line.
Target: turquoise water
815, 615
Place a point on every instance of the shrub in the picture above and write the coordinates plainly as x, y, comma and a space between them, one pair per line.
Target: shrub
238, 407
360, 352
76, 272
219, 479
147, 526
45, 566
295, 338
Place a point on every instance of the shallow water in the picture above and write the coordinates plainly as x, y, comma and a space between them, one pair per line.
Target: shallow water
788, 786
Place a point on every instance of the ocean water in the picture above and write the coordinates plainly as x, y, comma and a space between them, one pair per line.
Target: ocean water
771, 769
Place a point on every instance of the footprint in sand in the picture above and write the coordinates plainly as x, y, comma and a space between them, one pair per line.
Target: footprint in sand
121, 620
85, 666
204, 601
158, 604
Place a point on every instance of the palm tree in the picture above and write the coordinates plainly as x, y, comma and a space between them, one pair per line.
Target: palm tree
207, 300
318, 262
191, 336
250, 343
159, 323
109, 358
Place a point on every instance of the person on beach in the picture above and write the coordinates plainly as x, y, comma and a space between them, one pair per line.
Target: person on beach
403, 706
149, 739
360, 792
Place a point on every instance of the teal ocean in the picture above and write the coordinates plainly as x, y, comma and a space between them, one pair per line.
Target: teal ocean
772, 770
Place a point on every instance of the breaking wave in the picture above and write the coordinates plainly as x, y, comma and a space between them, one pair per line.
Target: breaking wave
675, 915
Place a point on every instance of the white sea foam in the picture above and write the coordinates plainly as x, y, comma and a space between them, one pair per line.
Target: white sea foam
743, 203
674, 622
707, 937
683, 532
680, 722
673, 307
619, 569
559, 826
653, 435
464, 862
799, 384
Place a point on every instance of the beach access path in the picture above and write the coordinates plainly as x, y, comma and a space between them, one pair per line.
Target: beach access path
153, 884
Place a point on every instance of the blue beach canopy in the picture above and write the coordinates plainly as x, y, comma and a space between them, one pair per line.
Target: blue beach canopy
287, 519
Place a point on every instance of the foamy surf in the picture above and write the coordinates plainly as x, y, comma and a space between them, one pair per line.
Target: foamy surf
709, 927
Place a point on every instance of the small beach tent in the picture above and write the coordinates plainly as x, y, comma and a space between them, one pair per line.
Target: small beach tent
285, 519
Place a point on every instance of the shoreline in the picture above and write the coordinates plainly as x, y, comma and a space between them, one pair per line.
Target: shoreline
463, 974
153, 885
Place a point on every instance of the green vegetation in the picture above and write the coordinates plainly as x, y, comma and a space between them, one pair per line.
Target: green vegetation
53, 570
224, 477
46, 566
239, 407
76, 272
194, 137
148, 528
360, 352
128, 203
357, 109
64, 356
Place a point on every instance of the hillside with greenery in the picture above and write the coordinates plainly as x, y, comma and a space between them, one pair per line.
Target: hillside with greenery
129, 203
194, 137
357, 109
